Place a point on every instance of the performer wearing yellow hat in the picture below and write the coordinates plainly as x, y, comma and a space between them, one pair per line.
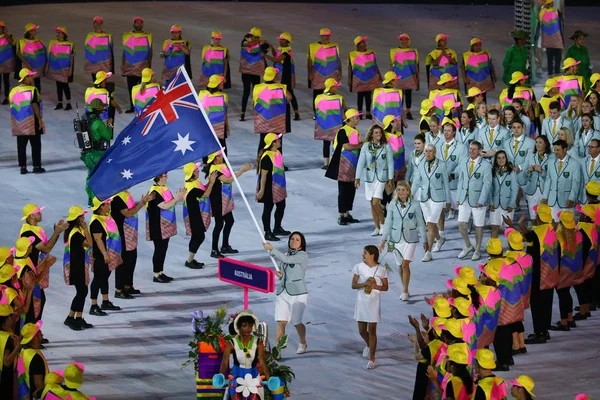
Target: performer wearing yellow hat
445, 92
522, 388
488, 385
216, 103
344, 161
9, 348
474, 96
442, 60
252, 63
73, 380
176, 52
478, 68
52, 385
7, 59
329, 116
104, 91
215, 61
33, 54
323, 63
427, 110
588, 217
99, 54
551, 94
26, 120
571, 82
137, 55
388, 100
363, 73
283, 61
31, 378
404, 62
144, 92
61, 60
459, 385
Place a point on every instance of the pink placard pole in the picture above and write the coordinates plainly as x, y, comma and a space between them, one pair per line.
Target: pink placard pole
245, 298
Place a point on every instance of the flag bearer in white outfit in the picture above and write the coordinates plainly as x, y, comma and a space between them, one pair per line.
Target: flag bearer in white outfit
451, 151
474, 186
590, 167
563, 182
404, 225
492, 136
517, 150
432, 178
503, 199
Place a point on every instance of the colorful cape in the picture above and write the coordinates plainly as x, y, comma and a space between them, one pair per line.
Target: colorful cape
386, 101
137, 50
478, 69
213, 62
141, 100
98, 53
113, 240
278, 176
67, 258
203, 203
168, 219
548, 255
34, 52
279, 66
59, 60
130, 225
92, 93
325, 59
270, 105
552, 36
251, 60
7, 55
174, 56
487, 315
444, 67
215, 105
227, 204
404, 63
570, 271
365, 73
329, 116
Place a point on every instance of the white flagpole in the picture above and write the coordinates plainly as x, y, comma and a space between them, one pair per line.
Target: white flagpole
235, 179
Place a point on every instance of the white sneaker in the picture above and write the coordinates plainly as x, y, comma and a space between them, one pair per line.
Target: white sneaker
465, 252
404, 296
370, 365
301, 348
375, 232
427, 256
476, 255
451, 214
366, 352
437, 246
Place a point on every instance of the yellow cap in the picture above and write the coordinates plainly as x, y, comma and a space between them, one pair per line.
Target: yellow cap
567, 218
61, 29
459, 353
463, 306
324, 32
445, 78
176, 28
467, 273
517, 76
544, 212
29, 331
30, 27
454, 326
387, 120
270, 74
54, 378
589, 210
102, 76
359, 39
351, 113
24, 73
96, 203
437, 323
474, 91
390, 76
426, 106
494, 247
212, 157
147, 75
515, 239
593, 188
22, 245
74, 375
450, 104
285, 36
76, 212
270, 138
492, 268
440, 37
442, 307
215, 80
2, 23
570, 62
10, 294
216, 35
7, 272
30, 209
476, 40
256, 32
525, 382
594, 78
330, 82
485, 359
6, 310
448, 120
5, 252
189, 168
551, 83
458, 284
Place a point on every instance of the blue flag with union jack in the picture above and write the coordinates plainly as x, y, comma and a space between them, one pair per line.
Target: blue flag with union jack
169, 132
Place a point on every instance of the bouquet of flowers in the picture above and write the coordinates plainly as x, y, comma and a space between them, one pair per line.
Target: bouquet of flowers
208, 329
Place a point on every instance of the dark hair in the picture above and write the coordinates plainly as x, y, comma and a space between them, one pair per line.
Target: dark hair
555, 105
471, 116
156, 178
496, 167
27, 35
213, 89
72, 224
420, 136
596, 140
475, 297
517, 121
597, 108
518, 101
460, 371
435, 119
591, 117
245, 318
494, 112
476, 143
369, 137
374, 251
561, 143
3, 319
547, 142
302, 240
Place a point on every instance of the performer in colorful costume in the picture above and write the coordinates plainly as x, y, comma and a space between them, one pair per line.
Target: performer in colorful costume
330, 109
388, 100
283, 61
8, 45
323, 63
478, 68
137, 55
404, 62
215, 104
271, 111
488, 386
33, 54
571, 83
252, 63
143, 93
31, 365
363, 73
104, 91
99, 54
215, 61
441, 61
61, 60
176, 52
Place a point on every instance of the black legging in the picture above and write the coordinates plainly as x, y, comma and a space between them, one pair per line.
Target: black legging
565, 302
6, 80
79, 299
131, 82
195, 242
326, 148
364, 97
346, 193
248, 81
124, 272
36, 149
100, 281
37, 82
408, 98
220, 221
42, 305
63, 87
160, 253
553, 56
503, 344
316, 92
294, 100
266, 215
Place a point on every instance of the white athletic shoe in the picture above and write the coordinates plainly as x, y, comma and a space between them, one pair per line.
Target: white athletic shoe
465, 252
366, 352
476, 255
437, 246
301, 348
404, 296
427, 256
370, 365
375, 232
451, 214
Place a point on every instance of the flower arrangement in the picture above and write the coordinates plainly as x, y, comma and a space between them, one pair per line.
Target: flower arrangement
284, 372
208, 329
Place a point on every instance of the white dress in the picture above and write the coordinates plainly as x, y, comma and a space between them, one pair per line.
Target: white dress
368, 306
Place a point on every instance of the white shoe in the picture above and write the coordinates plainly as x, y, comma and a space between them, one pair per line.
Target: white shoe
427, 256
476, 255
370, 365
366, 352
404, 296
375, 232
437, 246
301, 348
381, 232
465, 252
451, 214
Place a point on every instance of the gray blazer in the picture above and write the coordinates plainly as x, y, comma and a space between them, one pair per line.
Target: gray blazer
504, 190
559, 188
574, 122
456, 152
434, 184
429, 139
500, 135
536, 179
474, 188
412, 162
519, 158
582, 142
404, 223
465, 136
293, 268
586, 176
547, 125
379, 166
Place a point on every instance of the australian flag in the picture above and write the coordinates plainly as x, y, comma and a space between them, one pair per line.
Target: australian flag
171, 131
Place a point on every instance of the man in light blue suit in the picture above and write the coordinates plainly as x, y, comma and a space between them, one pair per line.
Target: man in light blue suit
590, 167
492, 136
517, 149
474, 185
563, 181
552, 124
432, 178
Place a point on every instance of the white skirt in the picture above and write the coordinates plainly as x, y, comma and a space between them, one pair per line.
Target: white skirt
374, 189
533, 201
405, 251
368, 307
498, 213
290, 308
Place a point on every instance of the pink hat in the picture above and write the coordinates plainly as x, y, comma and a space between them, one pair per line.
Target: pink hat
98, 19
403, 36
138, 19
